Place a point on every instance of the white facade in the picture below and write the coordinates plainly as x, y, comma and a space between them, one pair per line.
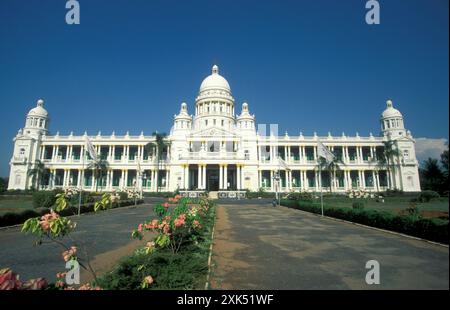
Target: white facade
215, 149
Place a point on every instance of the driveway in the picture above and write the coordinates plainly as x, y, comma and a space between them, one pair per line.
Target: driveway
257, 246
106, 236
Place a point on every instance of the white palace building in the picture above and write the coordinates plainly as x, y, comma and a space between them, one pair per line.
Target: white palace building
216, 150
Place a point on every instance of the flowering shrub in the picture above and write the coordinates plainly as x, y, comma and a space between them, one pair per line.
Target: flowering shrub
50, 225
10, 281
174, 226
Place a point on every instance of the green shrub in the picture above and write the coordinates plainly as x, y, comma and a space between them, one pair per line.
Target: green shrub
44, 199
304, 196
427, 196
430, 229
358, 205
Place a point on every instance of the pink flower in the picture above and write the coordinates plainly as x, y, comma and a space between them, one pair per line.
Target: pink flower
35, 284
196, 224
9, 280
166, 229
140, 227
69, 254
180, 220
165, 205
148, 280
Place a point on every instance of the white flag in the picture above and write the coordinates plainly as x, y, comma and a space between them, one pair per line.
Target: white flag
324, 152
283, 164
90, 148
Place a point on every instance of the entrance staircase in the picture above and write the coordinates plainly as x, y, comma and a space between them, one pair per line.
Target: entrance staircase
213, 195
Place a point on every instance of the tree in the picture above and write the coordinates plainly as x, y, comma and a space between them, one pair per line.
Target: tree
388, 159
332, 167
444, 163
3, 185
99, 168
157, 148
432, 177
38, 173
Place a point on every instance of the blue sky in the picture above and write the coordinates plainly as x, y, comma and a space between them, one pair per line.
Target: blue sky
306, 65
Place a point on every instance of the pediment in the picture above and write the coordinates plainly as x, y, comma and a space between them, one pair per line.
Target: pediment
213, 132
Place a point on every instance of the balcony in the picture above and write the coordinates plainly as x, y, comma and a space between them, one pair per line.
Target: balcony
213, 155
19, 159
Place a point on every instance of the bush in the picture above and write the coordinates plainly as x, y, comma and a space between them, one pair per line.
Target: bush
44, 199
305, 196
427, 196
430, 229
358, 205
159, 194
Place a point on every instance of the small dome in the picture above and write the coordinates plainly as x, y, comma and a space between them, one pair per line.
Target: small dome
390, 111
215, 81
39, 109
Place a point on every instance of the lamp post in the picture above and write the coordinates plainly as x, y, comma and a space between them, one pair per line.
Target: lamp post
276, 179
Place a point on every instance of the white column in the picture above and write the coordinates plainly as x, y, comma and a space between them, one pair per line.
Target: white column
259, 179
238, 176
225, 177
363, 179
79, 178
199, 182
220, 177
315, 152
303, 156
167, 179
289, 154
377, 181
272, 185
204, 177
317, 181
289, 179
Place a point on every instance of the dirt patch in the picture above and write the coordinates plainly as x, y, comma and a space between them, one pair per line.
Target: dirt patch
429, 214
106, 261
224, 251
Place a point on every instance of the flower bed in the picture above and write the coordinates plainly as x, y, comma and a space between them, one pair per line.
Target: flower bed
177, 257
430, 229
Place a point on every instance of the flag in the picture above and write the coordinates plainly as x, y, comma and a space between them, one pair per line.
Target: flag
324, 152
283, 164
90, 149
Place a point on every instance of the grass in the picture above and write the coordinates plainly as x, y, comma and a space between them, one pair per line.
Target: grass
393, 205
15, 203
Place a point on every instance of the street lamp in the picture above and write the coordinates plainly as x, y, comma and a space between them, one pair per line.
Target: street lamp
276, 179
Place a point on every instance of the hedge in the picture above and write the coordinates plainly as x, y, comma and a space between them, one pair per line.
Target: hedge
15, 218
430, 229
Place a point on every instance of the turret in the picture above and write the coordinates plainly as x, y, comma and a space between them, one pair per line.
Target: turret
392, 124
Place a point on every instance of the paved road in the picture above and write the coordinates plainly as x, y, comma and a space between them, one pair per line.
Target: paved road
106, 236
257, 246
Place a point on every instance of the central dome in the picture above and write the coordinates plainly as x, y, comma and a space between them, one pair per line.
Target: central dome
215, 81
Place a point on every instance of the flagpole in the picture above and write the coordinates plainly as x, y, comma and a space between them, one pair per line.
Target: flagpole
321, 191
81, 182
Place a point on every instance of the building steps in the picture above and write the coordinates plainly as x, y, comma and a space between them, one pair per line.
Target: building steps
213, 195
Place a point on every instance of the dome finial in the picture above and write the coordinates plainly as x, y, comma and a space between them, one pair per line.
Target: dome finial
40, 102
215, 69
389, 103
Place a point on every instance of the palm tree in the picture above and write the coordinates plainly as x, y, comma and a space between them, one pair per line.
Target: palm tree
331, 166
388, 159
99, 168
157, 147
38, 173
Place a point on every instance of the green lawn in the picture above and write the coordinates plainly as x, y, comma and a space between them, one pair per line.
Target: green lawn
391, 204
15, 203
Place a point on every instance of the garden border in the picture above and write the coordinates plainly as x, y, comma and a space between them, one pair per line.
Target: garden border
370, 227
211, 250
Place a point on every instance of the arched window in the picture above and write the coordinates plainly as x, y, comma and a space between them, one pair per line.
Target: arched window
22, 152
